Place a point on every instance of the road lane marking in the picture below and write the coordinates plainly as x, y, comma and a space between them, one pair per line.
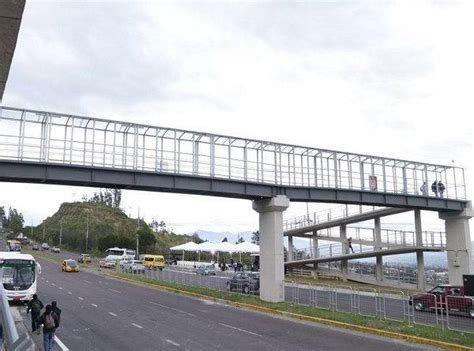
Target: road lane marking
87, 281
93, 304
172, 342
60, 288
173, 309
80, 298
241, 330
114, 290
112, 314
138, 326
70, 293
60, 343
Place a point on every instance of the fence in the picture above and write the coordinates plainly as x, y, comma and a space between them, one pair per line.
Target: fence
454, 312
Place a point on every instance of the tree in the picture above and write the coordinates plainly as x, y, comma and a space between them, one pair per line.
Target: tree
239, 240
146, 240
15, 221
224, 240
256, 237
117, 197
3, 217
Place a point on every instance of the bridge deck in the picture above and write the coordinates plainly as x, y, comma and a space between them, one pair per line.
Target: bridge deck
354, 256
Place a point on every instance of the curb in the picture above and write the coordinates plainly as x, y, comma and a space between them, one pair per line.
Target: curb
355, 327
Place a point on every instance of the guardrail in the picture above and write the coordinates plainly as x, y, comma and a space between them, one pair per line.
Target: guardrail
11, 339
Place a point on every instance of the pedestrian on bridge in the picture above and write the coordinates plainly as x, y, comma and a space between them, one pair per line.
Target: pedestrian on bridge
349, 244
49, 320
434, 188
35, 306
441, 188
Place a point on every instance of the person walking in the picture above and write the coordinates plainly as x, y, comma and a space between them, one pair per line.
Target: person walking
49, 320
441, 188
35, 306
423, 189
57, 313
349, 244
434, 188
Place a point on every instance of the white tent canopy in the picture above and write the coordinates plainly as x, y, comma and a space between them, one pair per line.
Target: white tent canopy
226, 247
207, 246
247, 247
190, 246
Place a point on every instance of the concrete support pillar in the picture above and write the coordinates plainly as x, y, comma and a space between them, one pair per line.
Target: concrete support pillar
458, 243
344, 248
420, 261
291, 248
271, 247
378, 247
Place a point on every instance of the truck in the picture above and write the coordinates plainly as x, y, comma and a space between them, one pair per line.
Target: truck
447, 298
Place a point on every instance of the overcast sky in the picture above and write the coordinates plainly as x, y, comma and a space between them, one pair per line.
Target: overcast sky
393, 79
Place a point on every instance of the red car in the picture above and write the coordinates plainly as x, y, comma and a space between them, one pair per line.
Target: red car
444, 297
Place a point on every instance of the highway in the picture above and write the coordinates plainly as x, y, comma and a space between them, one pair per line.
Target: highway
101, 313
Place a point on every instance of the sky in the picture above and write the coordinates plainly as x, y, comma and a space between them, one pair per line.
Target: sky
386, 78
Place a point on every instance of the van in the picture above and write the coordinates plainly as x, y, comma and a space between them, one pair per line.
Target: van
154, 262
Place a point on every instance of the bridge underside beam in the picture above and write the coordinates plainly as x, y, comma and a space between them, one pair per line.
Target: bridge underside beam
24, 172
359, 255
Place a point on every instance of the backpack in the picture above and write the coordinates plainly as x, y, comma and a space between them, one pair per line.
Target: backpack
49, 322
36, 306
57, 316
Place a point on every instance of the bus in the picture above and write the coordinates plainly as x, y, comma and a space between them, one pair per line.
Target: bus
13, 245
20, 275
118, 254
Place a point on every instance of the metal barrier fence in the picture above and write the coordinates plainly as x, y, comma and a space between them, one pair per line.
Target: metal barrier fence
454, 312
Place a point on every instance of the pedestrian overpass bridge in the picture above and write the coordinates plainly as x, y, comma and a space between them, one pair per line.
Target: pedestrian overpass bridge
58, 148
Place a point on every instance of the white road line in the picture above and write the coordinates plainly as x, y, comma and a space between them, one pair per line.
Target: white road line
173, 309
53, 284
80, 298
47, 281
138, 326
87, 281
93, 304
241, 330
70, 293
60, 288
112, 314
60, 343
172, 342
114, 290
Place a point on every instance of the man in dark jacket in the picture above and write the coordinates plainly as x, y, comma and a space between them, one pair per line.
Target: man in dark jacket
35, 306
49, 320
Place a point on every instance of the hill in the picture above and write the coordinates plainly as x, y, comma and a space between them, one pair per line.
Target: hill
107, 226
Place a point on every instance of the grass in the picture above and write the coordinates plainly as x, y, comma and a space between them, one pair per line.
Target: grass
428, 332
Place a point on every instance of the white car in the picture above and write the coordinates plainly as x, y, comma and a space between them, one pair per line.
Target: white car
134, 266
44, 246
55, 249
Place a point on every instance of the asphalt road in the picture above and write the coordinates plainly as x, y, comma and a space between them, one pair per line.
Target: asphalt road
101, 313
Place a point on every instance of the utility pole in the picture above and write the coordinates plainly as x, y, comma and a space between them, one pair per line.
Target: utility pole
87, 231
138, 228
60, 232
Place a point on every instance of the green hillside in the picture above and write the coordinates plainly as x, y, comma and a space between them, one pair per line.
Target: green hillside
108, 227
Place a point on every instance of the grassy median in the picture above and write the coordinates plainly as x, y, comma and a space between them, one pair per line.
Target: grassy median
431, 333
428, 332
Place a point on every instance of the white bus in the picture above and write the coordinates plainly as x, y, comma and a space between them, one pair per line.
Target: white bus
118, 254
20, 275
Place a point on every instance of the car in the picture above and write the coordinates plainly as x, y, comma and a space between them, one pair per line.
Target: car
104, 263
70, 266
133, 266
439, 297
205, 270
125, 262
55, 249
35, 247
44, 246
246, 282
84, 258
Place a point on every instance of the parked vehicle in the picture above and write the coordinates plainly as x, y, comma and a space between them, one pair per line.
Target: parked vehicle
70, 266
104, 263
84, 258
205, 270
134, 266
247, 282
116, 253
35, 247
124, 262
44, 246
154, 262
438, 297
55, 249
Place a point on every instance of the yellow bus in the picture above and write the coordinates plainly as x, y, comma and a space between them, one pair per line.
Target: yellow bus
154, 262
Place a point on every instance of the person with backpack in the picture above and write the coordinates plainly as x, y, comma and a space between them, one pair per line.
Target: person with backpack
49, 320
57, 313
35, 306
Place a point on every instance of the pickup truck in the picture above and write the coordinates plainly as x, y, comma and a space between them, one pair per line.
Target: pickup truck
444, 297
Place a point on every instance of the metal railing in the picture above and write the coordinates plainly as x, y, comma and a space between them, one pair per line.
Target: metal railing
11, 339
46, 137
